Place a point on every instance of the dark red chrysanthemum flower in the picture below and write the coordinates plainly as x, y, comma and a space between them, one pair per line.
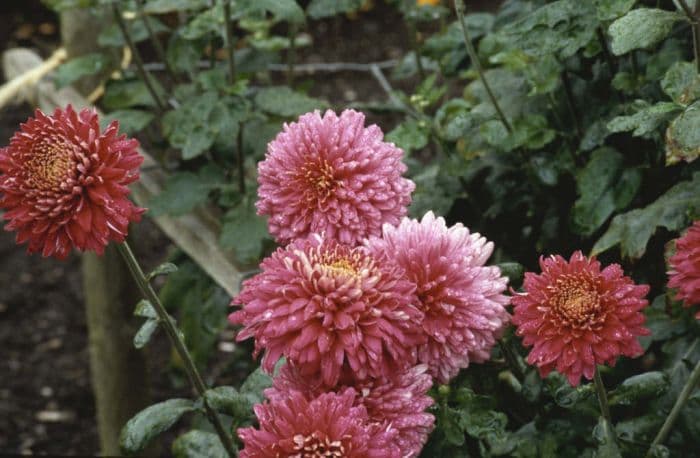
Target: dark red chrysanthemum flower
330, 174
328, 426
685, 268
330, 309
576, 316
63, 183
398, 401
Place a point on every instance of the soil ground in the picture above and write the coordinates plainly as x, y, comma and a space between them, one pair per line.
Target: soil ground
46, 403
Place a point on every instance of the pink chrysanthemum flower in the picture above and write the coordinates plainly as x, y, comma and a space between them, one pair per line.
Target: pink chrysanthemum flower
331, 175
685, 268
63, 183
330, 309
399, 401
461, 298
327, 426
576, 316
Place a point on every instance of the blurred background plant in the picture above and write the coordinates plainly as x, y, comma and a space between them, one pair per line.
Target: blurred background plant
583, 137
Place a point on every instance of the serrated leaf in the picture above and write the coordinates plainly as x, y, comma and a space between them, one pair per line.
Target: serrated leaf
683, 136
163, 269
285, 102
76, 68
227, 400
145, 309
130, 121
128, 94
150, 422
410, 135
183, 191
641, 28
256, 383
603, 186
112, 34
646, 120
632, 230
198, 444
244, 232
513, 270
323, 8
638, 387
145, 332
682, 83
607, 10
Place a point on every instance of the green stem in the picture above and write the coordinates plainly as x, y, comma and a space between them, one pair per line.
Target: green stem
604, 406
143, 74
291, 54
229, 42
156, 43
166, 322
569, 93
694, 17
687, 390
413, 32
459, 8
241, 159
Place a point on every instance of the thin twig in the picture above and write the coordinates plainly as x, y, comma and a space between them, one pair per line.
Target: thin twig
688, 388
459, 8
143, 74
229, 42
156, 43
166, 322
694, 16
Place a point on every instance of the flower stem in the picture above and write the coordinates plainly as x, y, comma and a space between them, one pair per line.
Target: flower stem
241, 159
688, 388
459, 8
291, 54
143, 74
166, 321
603, 402
229, 42
694, 17
156, 43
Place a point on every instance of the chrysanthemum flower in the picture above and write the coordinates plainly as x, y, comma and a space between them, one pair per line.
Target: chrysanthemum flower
331, 174
461, 298
685, 267
330, 309
576, 316
327, 426
399, 401
63, 183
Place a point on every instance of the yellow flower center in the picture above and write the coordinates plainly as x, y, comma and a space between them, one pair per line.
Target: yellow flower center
575, 302
320, 180
49, 165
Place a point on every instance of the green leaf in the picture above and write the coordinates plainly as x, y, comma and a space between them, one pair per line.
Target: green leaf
638, 387
607, 446
256, 383
513, 270
227, 400
683, 136
603, 186
285, 102
682, 83
150, 422
645, 120
244, 232
282, 10
163, 269
112, 34
64, 5
145, 309
607, 10
409, 135
198, 444
169, 6
641, 28
76, 68
183, 191
632, 230
130, 121
145, 332
323, 8
127, 94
